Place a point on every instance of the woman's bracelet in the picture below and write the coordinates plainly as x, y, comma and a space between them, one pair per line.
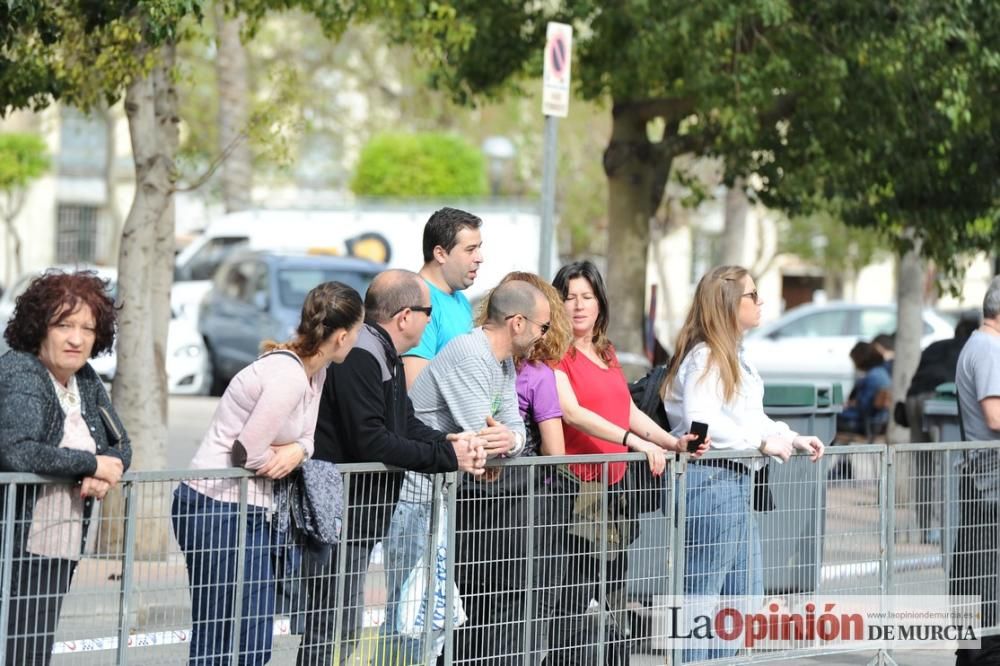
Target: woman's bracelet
625, 438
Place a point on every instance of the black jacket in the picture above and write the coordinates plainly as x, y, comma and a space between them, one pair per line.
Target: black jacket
937, 366
365, 415
31, 430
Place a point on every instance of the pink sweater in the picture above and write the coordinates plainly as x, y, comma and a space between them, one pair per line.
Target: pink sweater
270, 402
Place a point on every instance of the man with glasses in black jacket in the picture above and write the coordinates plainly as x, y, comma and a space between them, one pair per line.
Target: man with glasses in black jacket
365, 415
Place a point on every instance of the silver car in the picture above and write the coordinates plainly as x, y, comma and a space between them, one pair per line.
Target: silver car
257, 295
812, 342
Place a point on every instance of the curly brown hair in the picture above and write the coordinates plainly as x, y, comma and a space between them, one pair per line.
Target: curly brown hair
552, 346
329, 307
52, 297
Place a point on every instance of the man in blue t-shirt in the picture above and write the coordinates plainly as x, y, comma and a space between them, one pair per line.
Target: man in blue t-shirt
452, 253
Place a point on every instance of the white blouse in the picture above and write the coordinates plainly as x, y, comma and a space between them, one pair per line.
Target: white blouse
696, 394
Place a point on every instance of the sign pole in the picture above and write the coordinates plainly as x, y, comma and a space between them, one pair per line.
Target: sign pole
555, 105
548, 198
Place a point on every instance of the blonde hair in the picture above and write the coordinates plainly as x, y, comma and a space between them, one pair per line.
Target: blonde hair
552, 346
713, 320
329, 307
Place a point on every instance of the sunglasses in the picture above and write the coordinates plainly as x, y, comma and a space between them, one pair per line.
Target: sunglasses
753, 296
545, 327
416, 308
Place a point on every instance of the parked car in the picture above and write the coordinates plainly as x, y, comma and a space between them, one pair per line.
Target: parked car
258, 296
188, 372
812, 342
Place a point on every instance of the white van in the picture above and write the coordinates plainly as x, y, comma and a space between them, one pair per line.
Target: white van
387, 234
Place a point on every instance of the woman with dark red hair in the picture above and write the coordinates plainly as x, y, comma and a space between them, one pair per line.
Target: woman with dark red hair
55, 419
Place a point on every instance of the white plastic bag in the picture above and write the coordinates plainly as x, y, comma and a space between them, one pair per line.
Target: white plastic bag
413, 595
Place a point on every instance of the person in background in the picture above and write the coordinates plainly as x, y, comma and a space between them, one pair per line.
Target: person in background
885, 345
937, 366
974, 561
599, 416
265, 422
538, 402
863, 415
711, 381
452, 246
55, 419
365, 415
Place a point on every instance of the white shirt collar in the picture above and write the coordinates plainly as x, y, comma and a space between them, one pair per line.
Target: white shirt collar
69, 395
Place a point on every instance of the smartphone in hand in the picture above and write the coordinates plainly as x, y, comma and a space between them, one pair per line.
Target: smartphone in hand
700, 429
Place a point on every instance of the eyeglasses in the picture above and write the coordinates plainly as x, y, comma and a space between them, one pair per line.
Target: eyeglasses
753, 296
545, 327
426, 309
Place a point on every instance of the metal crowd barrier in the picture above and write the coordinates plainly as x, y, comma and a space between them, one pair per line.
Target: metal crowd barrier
532, 565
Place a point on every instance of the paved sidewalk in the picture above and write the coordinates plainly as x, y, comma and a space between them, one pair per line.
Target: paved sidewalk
902, 657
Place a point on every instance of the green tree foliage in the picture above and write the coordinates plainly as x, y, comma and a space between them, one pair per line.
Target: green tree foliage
707, 75
425, 164
825, 100
23, 158
907, 142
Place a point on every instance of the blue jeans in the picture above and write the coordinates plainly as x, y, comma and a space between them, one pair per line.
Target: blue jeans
407, 541
722, 552
206, 531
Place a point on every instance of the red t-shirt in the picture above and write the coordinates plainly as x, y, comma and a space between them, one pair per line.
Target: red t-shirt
604, 392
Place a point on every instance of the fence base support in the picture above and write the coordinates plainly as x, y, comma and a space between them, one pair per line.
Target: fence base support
882, 658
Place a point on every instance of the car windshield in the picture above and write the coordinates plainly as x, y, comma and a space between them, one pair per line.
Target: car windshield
295, 283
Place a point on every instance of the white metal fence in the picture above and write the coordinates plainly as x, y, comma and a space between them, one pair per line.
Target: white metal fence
535, 564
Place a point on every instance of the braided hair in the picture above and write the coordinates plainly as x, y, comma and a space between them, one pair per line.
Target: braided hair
329, 307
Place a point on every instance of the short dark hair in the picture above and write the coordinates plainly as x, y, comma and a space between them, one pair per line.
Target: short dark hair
865, 356
52, 297
442, 229
390, 292
967, 324
885, 341
514, 297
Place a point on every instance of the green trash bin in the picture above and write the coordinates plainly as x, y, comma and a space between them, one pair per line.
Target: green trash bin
792, 534
941, 421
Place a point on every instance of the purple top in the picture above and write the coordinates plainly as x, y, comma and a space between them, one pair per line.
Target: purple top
537, 399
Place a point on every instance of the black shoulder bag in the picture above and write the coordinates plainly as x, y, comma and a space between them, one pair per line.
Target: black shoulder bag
645, 490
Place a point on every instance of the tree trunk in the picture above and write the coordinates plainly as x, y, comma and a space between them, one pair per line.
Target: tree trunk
13, 247
110, 182
909, 328
231, 73
14, 263
636, 172
8, 246
145, 257
734, 235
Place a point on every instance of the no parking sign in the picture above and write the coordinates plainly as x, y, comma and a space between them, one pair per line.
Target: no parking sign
556, 73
